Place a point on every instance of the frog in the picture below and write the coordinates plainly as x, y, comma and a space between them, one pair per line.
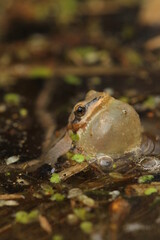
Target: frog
108, 131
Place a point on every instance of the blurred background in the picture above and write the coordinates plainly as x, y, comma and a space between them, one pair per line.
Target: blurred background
51, 53
39, 38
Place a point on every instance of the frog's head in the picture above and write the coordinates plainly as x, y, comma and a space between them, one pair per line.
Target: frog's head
105, 125
83, 111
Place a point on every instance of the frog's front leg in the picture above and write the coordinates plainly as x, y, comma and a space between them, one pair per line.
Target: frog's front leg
59, 149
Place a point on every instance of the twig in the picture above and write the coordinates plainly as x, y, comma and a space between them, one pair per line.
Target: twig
27, 166
67, 173
23, 70
45, 225
5, 228
101, 7
11, 196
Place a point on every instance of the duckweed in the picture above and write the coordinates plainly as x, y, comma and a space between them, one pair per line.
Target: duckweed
55, 178
86, 227
57, 197
12, 98
24, 217
150, 190
72, 80
79, 158
145, 178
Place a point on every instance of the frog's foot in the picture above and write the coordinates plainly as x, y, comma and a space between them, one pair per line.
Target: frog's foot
150, 164
105, 162
150, 145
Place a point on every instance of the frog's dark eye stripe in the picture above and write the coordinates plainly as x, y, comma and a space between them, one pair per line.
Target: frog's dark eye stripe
92, 101
81, 110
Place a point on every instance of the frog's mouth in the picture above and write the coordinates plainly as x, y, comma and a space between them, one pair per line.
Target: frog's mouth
91, 108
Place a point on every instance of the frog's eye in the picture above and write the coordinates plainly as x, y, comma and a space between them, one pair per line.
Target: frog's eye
80, 111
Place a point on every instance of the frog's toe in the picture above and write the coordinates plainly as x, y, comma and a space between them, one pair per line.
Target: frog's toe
151, 164
105, 162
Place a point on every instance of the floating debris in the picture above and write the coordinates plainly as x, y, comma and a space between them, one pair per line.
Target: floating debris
37, 195
11, 196
10, 203
12, 159
74, 192
22, 182
45, 225
114, 194
86, 200
133, 227
3, 108
72, 219
116, 175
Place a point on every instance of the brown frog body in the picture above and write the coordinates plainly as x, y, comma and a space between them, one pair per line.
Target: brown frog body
104, 125
108, 132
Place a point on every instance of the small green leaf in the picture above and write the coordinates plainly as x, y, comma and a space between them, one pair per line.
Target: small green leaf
150, 103
7, 174
57, 237
80, 213
23, 112
74, 137
55, 178
41, 72
86, 227
57, 197
134, 57
124, 99
33, 215
114, 166
150, 190
12, 98
72, 80
79, 158
84, 51
145, 178
24, 217
47, 189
